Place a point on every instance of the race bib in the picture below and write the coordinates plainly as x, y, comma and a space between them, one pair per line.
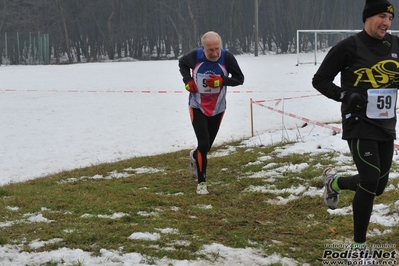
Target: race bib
201, 84
381, 103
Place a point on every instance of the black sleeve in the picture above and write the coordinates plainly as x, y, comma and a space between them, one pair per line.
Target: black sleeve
237, 77
186, 64
337, 59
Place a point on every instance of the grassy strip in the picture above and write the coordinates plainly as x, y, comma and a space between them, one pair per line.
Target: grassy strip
80, 205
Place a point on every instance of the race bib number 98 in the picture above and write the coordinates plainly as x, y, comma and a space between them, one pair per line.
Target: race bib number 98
381, 103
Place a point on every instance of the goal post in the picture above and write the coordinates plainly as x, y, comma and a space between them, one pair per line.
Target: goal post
308, 41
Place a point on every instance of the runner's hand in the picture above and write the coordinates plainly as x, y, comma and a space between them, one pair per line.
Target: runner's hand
214, 81
354, 100
191, 86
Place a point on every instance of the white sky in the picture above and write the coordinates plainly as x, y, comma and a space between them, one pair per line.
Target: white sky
63, 117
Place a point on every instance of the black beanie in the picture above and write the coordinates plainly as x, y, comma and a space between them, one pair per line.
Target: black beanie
374, 7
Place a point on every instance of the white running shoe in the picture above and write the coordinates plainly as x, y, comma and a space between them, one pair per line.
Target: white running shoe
202, 188
193, 165
330, 196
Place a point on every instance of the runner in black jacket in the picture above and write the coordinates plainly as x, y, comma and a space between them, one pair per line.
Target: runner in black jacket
369, 67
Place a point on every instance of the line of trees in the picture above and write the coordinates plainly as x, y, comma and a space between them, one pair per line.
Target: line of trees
158, 29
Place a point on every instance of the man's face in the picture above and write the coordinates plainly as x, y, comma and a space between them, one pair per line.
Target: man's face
211, 48
378, 25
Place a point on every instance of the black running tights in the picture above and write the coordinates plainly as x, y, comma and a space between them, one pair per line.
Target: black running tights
206, 129
373, 160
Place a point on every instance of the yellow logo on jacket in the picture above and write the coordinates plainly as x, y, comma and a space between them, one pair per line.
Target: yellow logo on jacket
381, 75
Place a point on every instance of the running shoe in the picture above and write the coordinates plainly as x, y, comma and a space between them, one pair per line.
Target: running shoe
330, 196
202, 188
193, 165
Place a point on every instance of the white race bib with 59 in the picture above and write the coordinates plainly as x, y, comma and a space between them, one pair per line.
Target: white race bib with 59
381, 103
201, 84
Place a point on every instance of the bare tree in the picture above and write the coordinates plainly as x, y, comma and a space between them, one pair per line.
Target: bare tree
157, 29
63, 13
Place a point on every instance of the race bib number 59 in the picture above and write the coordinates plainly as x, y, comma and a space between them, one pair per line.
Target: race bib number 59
381, 103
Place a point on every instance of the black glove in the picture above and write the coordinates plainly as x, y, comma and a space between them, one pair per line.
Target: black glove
354, 100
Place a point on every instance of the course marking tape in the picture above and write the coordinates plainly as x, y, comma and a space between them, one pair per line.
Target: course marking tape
336, 129
278, 100
145, 91
317, 123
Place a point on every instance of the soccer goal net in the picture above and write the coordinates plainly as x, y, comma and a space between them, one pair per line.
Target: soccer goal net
312, 45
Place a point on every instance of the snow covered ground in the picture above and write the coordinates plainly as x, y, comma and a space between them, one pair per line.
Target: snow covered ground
63, 117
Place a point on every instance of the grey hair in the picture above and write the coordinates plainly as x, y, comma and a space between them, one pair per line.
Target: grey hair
210, 34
